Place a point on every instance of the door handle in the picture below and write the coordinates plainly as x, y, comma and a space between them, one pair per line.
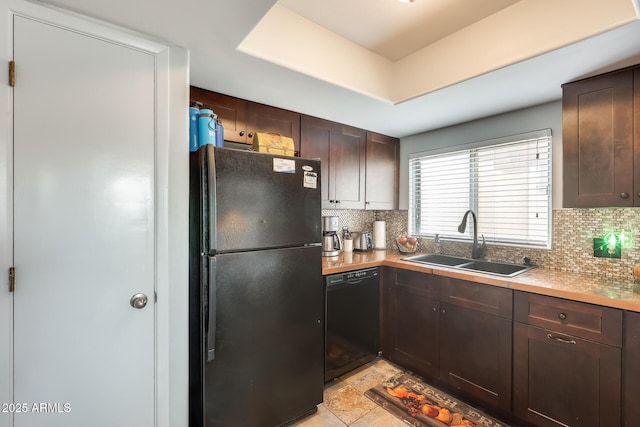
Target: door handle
138, 301
560, 339
211, 313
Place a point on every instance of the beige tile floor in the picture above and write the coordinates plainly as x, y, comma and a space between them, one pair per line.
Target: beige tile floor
346, 405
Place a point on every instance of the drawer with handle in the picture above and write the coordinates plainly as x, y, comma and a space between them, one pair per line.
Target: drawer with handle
591, 322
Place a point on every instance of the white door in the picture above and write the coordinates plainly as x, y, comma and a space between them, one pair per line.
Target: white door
83, 229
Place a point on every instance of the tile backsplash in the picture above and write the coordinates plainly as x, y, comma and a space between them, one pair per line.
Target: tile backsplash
571, 250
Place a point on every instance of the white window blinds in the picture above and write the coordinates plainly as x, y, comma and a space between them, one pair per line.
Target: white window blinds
507, 183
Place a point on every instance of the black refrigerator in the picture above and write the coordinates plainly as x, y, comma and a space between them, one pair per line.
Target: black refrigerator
256, 303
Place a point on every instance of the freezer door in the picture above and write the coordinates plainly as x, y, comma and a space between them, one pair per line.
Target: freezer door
259, 201
269, 339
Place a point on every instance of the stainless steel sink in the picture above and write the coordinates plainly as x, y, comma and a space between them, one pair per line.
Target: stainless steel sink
497, 268
438, 259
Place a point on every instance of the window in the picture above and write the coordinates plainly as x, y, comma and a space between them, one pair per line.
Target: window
506, 182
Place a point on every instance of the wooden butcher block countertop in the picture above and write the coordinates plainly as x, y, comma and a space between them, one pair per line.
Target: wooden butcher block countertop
572, 286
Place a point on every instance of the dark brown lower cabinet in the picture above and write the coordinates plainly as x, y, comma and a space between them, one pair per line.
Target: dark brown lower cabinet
411, 313
631, 379
475, 341
545, 361
562, 380
475, 355
454, 332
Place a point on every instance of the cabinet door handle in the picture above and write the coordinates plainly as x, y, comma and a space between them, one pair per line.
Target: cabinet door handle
250, 134
337, 201
562, 316
241, 133
560, 339
624, 195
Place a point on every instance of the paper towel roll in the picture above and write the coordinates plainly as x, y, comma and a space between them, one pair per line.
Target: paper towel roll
379, 235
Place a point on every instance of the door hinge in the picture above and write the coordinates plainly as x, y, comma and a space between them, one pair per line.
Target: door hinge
12, 74
12, 279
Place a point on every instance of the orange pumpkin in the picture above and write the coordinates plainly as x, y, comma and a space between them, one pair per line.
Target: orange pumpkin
397, 392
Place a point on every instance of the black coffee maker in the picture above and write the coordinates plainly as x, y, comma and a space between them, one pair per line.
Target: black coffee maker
331, 245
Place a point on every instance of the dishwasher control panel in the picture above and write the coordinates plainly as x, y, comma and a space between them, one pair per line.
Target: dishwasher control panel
352, 275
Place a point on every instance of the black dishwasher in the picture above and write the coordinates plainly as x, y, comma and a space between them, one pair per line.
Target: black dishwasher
352, 318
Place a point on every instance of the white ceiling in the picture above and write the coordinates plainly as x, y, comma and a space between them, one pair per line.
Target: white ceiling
461, 63
391, 28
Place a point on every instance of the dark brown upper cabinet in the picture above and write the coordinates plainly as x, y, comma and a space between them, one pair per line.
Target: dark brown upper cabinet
598, 141
636, 136
342, 151
359, 168
383, 164
241, 119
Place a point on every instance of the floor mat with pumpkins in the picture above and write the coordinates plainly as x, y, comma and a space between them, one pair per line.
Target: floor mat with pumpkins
410, 399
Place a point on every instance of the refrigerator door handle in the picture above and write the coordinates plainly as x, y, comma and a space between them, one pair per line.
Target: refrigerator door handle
211, 313
210, 202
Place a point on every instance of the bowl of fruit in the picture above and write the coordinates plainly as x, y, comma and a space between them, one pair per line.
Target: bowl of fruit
406, 244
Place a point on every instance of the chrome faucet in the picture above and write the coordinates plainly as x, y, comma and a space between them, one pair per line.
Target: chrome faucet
477, 251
